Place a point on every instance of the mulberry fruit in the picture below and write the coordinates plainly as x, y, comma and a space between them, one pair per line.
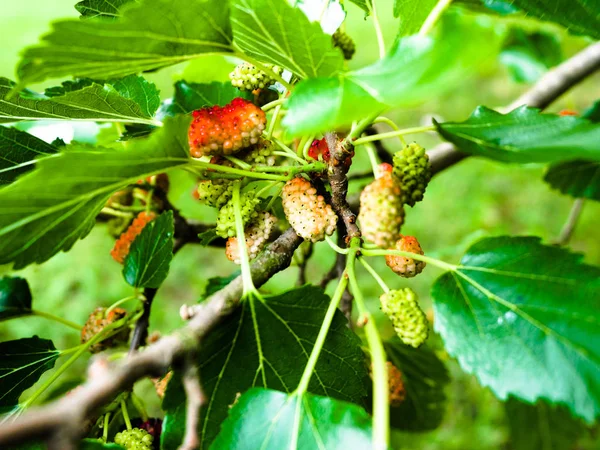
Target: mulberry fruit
123, 244
225, 130
134, 439
214, 192
97, 321
248, 78
408, 319
396, 385
344, 43
412, 169
405, 266
257, 235
319, 148
381, 212
260, 154
306, 211
226, 217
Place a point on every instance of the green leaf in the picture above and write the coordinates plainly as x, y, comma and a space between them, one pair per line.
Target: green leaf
524, 135
132, 99
488, 6
579, 17
22, 363
101, 8
417, 68
49, 209
523, 317
425, 377
579, 179
18, 152
267, 344
413, 14
207, 237
541, 426
149, 35
191, 96
215, 284
275, 32
148, 260
362, 4
263, 418
15, 298
528, 56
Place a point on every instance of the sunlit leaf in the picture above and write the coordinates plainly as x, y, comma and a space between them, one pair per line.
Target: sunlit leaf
49, 209
273, 31
149, 35
101, 8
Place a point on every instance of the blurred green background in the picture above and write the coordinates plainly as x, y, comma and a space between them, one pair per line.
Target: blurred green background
473, 199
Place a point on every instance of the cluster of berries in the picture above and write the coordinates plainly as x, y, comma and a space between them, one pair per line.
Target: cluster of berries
226, 218
123, 244
412, 170
344, 43
135, 439
225, 130
408, 319
306, 211
97, 321
249, 78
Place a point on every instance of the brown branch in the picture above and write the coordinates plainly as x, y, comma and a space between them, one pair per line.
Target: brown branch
569, 227
551, 86
66, 416
338, 169
195, 400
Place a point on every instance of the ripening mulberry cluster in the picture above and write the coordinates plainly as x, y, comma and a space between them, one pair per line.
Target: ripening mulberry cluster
134, 439
381, 211
123, 244
344, 43
407, 317
257, 234
226, 130
226, 218
306, 211
413, 171
249, 78
97, 321
404, 266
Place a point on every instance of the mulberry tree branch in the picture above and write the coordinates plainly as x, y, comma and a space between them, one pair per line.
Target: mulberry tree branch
65, 416
555, 83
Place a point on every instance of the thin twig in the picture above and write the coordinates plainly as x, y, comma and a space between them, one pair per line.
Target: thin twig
195, 400
569, 227
140, 332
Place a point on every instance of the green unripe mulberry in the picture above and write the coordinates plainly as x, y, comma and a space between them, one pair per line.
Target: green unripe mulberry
215, 192
409, 320
413, 171
226, 217
344, 43
134, 439
249, 78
